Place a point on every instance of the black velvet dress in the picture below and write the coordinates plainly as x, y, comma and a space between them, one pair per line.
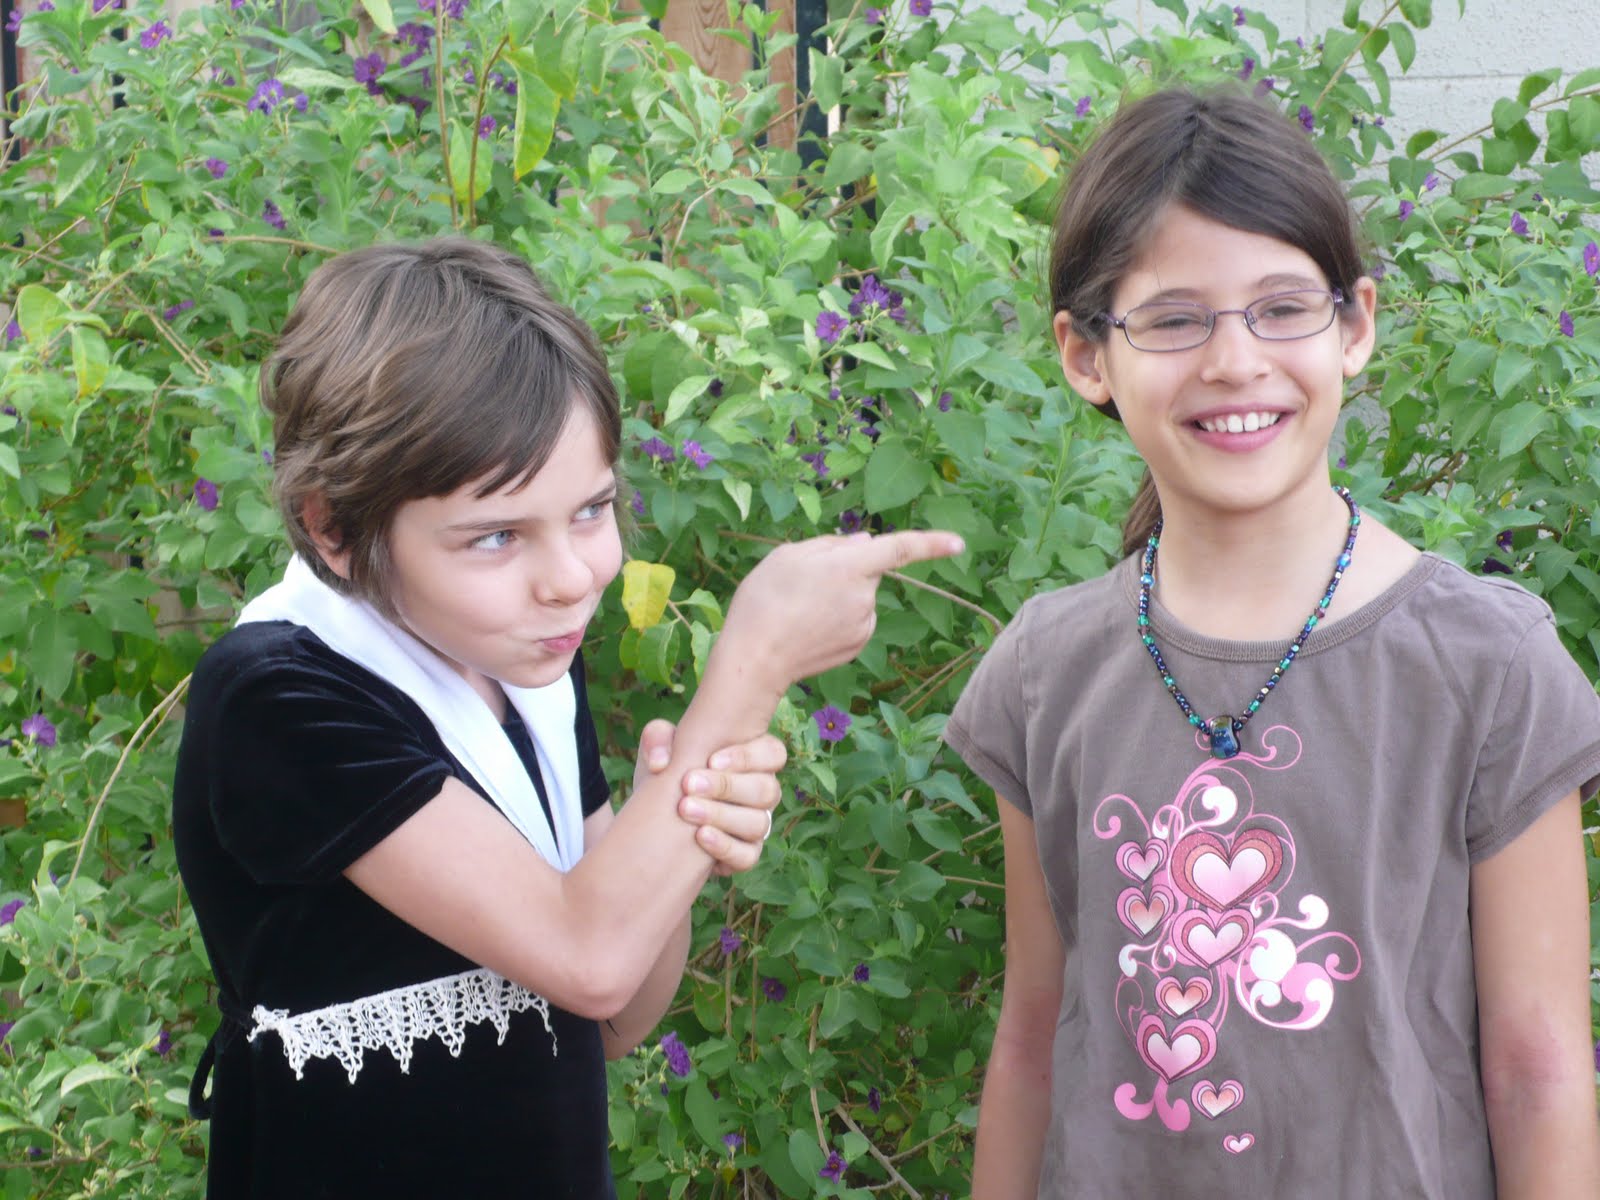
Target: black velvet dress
295, 762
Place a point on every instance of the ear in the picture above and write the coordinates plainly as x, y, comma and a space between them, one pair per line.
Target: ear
1358, 326
1083, 362
314, 517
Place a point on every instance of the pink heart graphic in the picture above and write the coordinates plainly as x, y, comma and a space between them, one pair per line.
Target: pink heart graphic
1190, 1047
1138, 862
1220, 875
1180, 998
1141, 915
1213, 1100
1238, 1144
1206, 942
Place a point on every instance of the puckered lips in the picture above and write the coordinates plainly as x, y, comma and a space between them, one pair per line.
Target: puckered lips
1239, 428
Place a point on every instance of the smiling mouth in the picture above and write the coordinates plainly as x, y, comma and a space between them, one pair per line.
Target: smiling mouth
1239, 422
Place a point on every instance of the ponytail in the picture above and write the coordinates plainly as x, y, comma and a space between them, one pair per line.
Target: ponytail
1142, 516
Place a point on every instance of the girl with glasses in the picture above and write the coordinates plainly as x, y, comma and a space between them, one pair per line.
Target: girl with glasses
1296, 899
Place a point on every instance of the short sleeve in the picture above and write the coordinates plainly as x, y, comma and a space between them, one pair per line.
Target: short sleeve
312, 765
1543, 742
594, 791
988, 728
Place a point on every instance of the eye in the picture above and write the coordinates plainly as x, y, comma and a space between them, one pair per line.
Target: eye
1175, 320
597, 510
498, 540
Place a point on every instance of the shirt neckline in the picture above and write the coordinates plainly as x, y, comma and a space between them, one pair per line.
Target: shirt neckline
1170, 632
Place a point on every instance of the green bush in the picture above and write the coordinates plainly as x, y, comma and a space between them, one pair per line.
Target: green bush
850, 338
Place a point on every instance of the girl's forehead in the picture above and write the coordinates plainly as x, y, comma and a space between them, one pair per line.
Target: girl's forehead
1186, 251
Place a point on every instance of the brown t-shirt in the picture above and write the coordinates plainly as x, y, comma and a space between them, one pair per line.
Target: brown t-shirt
1269, 986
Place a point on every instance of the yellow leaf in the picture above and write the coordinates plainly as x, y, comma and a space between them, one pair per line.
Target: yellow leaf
645, 588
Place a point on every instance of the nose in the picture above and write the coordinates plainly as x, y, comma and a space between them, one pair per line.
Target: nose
562, 576
1233, 354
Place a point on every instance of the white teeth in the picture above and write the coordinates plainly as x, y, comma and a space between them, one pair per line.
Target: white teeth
1240, 422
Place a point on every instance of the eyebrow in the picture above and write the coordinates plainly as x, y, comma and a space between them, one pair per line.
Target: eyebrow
491, 524
1270, 284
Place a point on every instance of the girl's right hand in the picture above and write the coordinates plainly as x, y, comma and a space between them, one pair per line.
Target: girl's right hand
812, 605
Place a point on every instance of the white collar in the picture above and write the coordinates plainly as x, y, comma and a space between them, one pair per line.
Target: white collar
356, 630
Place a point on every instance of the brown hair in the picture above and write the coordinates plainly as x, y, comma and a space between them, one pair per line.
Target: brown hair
409, 371
1219, 152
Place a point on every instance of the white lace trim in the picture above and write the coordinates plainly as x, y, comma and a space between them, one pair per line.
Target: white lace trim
395, 1020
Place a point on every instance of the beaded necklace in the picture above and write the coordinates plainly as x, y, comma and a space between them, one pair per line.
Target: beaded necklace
1223, 731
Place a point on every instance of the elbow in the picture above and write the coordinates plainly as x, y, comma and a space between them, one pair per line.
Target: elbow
1531, 1071
597, 986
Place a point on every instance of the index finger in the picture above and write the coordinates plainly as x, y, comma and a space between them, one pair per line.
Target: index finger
891, 551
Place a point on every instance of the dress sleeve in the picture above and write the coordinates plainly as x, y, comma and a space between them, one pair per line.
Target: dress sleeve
593, 789
989, 726
1543, 742
312, 765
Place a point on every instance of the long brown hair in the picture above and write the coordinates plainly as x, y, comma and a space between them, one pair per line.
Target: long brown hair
1219, 152
409, 371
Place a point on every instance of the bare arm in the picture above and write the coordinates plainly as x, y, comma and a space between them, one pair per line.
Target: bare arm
1530, 940
1015, 1112
589, 939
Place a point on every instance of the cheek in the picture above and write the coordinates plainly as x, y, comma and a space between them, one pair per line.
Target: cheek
606, 559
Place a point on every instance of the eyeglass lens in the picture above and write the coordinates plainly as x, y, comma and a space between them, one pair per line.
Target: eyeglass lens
1178, 325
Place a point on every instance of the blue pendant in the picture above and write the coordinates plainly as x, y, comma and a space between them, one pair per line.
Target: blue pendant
1223, 742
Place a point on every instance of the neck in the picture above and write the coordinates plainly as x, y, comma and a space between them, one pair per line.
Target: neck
1251, 576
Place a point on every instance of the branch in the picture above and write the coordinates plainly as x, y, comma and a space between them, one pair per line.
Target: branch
1351, 57
894, 1176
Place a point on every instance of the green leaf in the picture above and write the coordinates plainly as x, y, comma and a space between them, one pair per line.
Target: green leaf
1009, 374
12, 771
90, 359
381, 13
52, 653
684, 394
537, 107
890, 225
895, 476
675, 181
827, 79
740, 491
40, 312
93, 1072
74, 166
1510, 369
1520, 425
1405, 45
470, 175
848, 163
1418, 12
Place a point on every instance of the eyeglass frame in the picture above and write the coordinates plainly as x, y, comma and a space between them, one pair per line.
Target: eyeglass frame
1333, 294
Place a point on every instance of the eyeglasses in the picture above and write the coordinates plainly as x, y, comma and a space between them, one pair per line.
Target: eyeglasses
1172, 325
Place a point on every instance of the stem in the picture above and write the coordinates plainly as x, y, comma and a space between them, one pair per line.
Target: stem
1351, 57
885, 1163
1489, 128
438, 103
816, 1109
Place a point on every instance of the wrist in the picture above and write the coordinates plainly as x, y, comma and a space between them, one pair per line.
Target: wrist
736, 695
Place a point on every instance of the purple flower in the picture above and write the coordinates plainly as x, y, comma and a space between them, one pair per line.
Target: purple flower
367, 70
5, 1031
217, 167
729, 940
714, 389
677, 1055
164, 1043
818, 461
14, 22
38, 728
455, 9
834, 1169
657, 449
9, 913
637, 503
874, 16
419, 37
182, 306
921, 8
874, 1100
102, 5
268, 95
419, 104
1493, 566
301, 102
830, 325
773, 989
1266, 84
733, 1140
944, 401
216, 233
1591, 259
1565, 324
266, 457
1342, 463
205, 494
13, 330
272, 215
1406, 209
862, 972
1081, 108
1431, 182
1238, 14
1248, 69
1308, 119
155, 35
873, 296
486, 126
849, 521
832, 725
834, 393
1503, 539
1518, 225
697, 455
1597, 1044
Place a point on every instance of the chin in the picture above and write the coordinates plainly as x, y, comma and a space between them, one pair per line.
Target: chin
538, 675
